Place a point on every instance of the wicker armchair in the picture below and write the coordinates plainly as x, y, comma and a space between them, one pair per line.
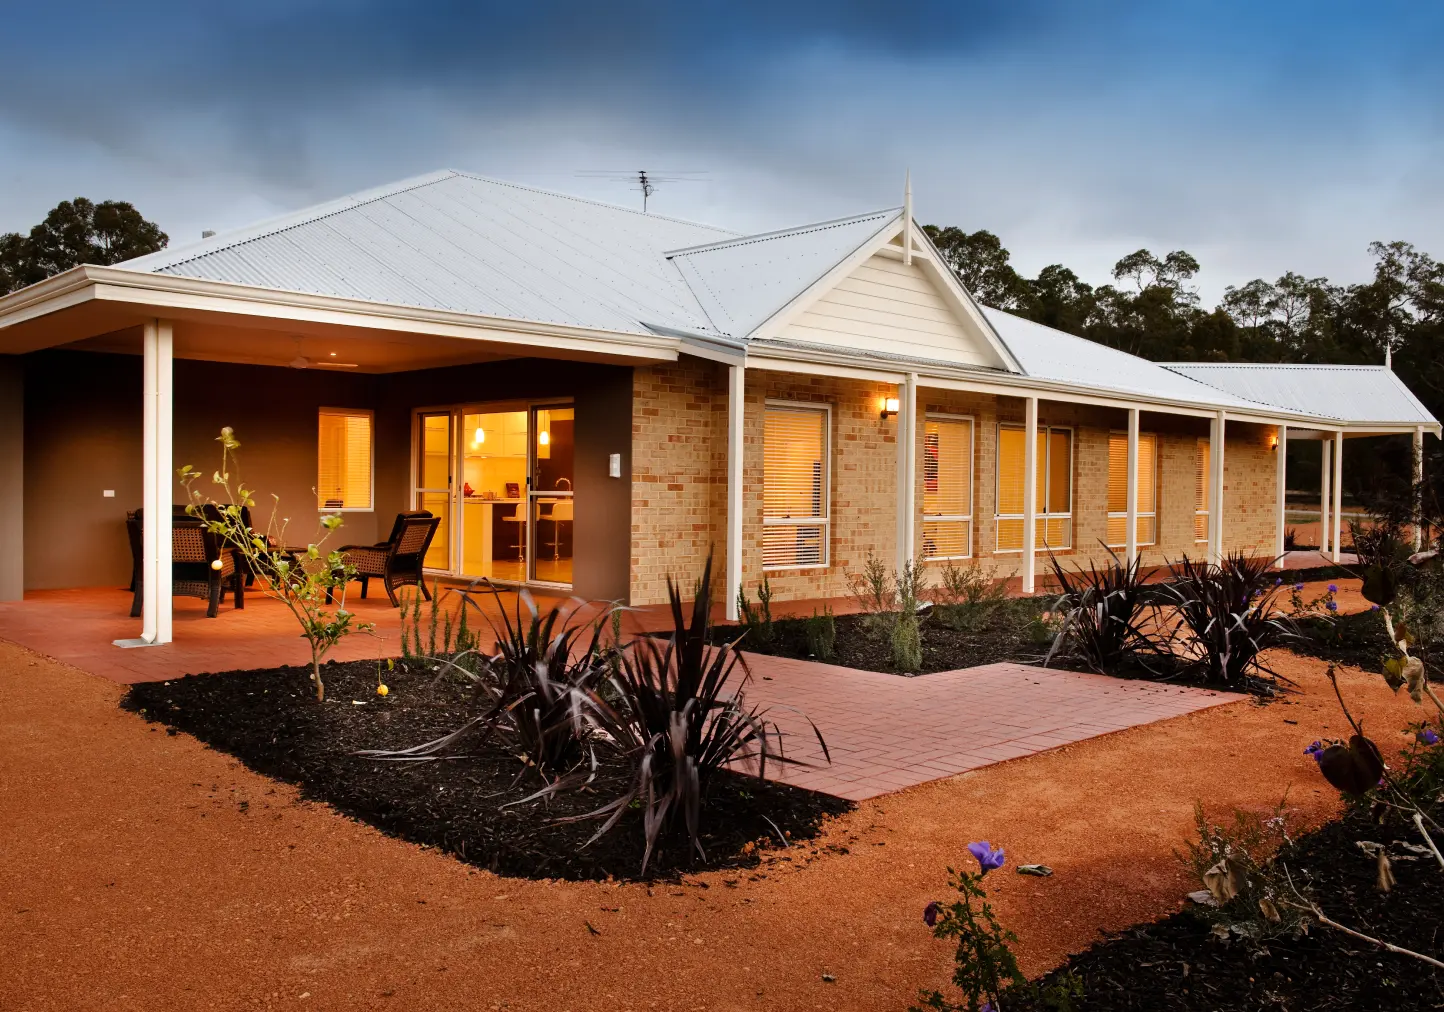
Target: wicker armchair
193, 550
397, 561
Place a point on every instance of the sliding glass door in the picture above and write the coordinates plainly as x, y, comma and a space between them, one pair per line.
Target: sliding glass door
500, 477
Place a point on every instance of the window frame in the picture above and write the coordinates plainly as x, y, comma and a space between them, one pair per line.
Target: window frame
972, 483
1202, 447
825, 521
1157, 474
1042, 515
370, 417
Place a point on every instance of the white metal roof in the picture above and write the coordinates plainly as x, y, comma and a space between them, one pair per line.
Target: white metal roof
454, 241
740, 283
1355, 393
1051, 354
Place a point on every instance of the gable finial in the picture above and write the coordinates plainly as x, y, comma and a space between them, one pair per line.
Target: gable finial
908, 217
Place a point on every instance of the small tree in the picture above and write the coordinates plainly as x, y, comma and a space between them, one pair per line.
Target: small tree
304, 581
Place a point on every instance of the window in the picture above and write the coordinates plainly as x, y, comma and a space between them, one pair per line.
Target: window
795, 483
1200, 505
1118, 489
947, 487
1054, 503
343, 475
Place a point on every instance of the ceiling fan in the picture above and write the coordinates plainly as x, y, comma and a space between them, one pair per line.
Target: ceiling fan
302, 362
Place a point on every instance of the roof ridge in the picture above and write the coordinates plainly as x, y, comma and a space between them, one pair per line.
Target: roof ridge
747, 240
1276, 365
175, 256
594, 203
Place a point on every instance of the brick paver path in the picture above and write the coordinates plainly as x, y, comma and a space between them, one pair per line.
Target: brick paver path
887, 732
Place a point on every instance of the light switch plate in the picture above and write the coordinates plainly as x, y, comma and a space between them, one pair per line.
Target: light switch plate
614, 466
107, 493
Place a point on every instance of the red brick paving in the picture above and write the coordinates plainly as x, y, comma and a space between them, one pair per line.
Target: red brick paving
884, 732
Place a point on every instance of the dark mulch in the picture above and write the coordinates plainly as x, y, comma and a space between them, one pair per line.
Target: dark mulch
1177, 964
270, 720
1010, 633
1359, 640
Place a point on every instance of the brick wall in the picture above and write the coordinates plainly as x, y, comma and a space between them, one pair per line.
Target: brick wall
679, 508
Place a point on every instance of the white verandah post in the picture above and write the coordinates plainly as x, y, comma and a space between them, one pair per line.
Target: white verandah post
736, 389
156, 602
1324, 445
1131, 536
1217, 432
1418, 488
907, 449
1030, 491
1280, 488
1338, 483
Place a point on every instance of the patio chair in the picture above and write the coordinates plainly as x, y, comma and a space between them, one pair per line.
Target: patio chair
397, 561
193, 550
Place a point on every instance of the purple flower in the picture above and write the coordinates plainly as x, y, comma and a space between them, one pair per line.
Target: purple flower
1315, 750
930, 913
1332, 606
1333, 588
987, 1007
1278, 580
988, 858
1373, 607
1298, 586
1427, 737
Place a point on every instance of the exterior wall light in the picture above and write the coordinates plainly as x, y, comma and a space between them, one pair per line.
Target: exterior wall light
1274, 441
889, 407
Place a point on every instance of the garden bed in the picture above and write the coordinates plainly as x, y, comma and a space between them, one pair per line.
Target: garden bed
1177, 963
466, 806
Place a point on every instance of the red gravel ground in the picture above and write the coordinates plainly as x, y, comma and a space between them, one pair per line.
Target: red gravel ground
143, 871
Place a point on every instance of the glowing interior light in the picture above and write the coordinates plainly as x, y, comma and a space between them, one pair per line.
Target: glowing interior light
479, 436
545, 438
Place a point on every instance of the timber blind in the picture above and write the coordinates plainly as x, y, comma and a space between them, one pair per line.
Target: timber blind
947, 487
795, 486
1200, 506
343, 476
1054, 501
1118, 489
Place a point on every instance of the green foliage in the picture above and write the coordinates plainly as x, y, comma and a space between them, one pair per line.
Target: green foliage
305, 583
820, 631
872, 590
905, 636
1248, 891
457, 643
761, 632
1103, 612
76, 232
968, 596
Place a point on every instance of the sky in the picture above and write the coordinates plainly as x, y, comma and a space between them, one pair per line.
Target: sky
1261, 137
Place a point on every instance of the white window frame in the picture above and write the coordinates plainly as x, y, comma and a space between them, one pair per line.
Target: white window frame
1157, 473
972, 482
1047, 477
825, 521
371, 447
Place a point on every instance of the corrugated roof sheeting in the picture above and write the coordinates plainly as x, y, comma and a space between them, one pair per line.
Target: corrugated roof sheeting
1051, 354
741, 283
1360, 394
466, 244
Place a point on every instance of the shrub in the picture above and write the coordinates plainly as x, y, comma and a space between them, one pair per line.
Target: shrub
820, 632
906, 637
1383, 557
874, 594
968, 596
761, 633
1246, 888
305, 584
1229, 611
681, 715
1102, 611
457, 638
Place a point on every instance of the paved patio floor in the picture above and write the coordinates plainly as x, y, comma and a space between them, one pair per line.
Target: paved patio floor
886, 732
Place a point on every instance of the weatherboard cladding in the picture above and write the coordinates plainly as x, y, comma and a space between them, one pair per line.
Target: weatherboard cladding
453, 241
1354, 392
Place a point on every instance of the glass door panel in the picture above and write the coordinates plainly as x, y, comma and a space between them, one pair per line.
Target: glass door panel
551, 514
433, 484
493, 486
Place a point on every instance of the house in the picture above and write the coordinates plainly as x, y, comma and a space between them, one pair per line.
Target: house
594, 398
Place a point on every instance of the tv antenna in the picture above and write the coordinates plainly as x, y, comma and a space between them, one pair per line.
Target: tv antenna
645, 182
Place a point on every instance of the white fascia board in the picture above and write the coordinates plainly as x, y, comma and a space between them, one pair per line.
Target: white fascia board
66, 289
164, 291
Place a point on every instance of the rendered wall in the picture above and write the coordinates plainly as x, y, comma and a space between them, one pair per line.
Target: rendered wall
12, 478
